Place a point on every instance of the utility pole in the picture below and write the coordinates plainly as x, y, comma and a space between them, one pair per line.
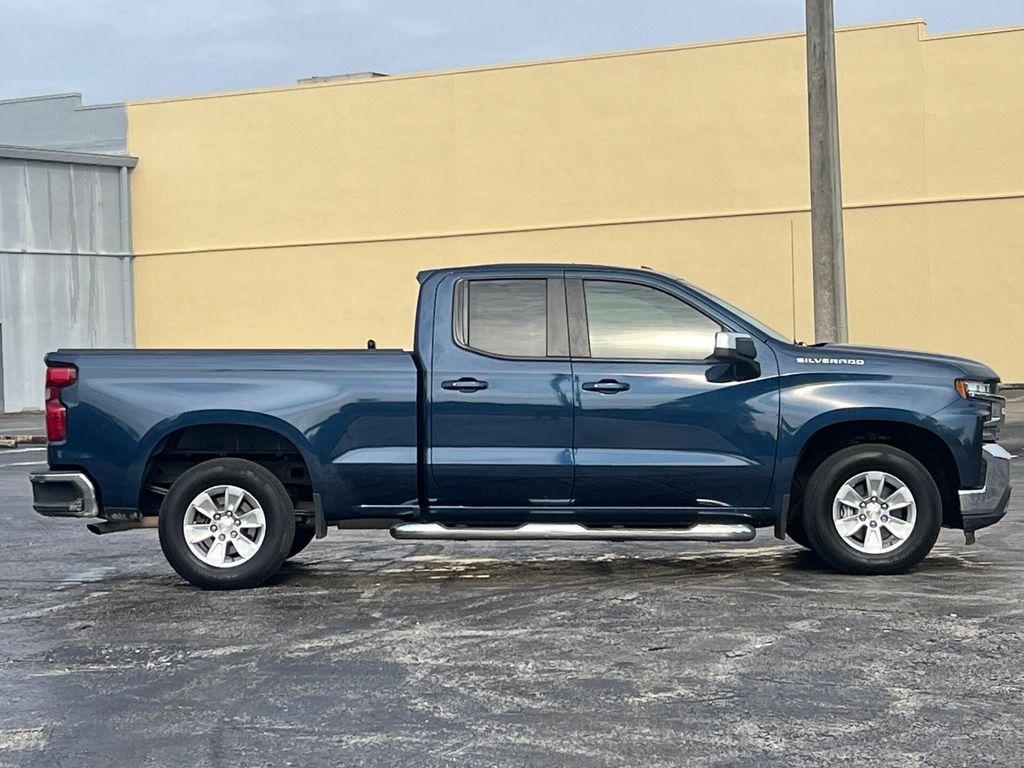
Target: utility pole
829, 269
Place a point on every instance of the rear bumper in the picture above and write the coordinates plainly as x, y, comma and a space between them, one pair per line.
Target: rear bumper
987, 505
63, 494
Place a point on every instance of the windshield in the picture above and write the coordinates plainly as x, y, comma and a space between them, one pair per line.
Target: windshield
744, 316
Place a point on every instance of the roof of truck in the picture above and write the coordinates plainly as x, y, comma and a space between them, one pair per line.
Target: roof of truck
521, 267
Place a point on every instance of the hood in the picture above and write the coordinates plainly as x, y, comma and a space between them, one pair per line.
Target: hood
971, 369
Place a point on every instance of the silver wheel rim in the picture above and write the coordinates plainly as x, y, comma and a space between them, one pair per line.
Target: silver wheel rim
874, 512
224, 526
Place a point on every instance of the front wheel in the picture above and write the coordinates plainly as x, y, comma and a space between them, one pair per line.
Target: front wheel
303, 535
796, 531
872, 509
226, 524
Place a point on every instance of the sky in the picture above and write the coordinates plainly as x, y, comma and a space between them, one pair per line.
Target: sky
116, 50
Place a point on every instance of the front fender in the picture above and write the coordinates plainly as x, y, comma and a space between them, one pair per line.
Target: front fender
808, 407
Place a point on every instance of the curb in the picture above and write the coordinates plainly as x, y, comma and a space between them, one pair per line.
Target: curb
12, 441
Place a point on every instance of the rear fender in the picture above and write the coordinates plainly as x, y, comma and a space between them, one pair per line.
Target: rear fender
160, 431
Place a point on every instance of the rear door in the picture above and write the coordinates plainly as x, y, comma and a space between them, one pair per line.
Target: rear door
660, 427
501, 404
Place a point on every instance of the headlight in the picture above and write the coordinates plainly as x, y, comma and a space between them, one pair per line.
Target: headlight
968, 388
984, 392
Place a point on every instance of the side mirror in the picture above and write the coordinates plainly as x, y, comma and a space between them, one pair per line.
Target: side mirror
734, 346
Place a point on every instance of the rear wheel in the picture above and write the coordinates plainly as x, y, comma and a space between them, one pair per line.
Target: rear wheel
872, 509
226, 524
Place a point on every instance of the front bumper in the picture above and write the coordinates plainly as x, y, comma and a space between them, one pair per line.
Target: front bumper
63, 494
987, 505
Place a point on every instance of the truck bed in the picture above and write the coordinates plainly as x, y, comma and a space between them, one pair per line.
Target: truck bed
350, 415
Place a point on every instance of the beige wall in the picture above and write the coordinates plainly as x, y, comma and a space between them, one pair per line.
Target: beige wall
299, 216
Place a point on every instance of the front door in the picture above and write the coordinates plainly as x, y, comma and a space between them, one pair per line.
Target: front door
501, 410
661, 429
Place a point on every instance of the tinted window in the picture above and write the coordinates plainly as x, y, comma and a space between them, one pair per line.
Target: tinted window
507, 317
637, 322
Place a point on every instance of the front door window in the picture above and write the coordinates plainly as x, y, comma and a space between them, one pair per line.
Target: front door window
636, 322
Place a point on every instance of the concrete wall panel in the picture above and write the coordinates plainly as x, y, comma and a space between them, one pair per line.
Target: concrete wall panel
49, 301
60, 207
60, 121
54, 291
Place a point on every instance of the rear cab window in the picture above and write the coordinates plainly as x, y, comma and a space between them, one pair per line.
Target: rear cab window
509, 317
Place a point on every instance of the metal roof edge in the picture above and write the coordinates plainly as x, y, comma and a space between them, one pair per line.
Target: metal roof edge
10, 152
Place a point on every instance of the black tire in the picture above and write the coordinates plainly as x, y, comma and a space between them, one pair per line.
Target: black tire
826, 482
278, 512
303, 535
796, 531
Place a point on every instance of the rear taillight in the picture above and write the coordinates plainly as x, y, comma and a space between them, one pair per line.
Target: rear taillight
56, 414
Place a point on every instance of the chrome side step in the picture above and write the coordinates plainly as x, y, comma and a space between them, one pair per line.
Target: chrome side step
575, 532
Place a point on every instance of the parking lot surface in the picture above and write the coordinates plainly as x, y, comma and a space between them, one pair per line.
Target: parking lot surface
366, 651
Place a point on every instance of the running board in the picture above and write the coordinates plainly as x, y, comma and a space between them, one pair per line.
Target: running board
575, 532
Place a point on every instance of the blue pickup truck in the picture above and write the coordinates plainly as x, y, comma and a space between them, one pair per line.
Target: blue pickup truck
540, 402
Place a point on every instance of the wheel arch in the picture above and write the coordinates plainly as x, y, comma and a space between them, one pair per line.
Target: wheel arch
924, 444
239, 434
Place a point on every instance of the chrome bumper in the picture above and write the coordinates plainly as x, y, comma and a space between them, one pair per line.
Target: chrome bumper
63, 494
987, 505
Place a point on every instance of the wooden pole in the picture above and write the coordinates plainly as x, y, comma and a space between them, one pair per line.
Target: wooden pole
828, 259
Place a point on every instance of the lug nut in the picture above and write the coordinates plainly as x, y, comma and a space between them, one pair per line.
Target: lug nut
885, 518
872, 524
863, 504
863, 518
221, 537
217, 516
233, 534
885, 506
213, 528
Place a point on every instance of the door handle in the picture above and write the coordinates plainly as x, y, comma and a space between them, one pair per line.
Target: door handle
606, 386
465, 384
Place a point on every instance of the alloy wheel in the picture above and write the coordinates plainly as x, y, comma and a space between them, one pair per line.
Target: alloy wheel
224, 526
874, 512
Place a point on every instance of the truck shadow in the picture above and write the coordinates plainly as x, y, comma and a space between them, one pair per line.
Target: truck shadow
452, 571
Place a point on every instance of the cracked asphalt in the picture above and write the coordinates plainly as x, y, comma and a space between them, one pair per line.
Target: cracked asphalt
371, 652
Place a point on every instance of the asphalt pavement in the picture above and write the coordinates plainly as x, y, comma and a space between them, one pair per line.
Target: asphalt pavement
366, 651
25, 423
